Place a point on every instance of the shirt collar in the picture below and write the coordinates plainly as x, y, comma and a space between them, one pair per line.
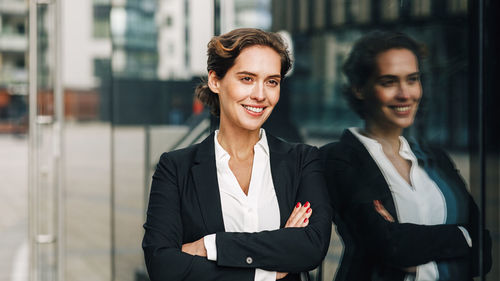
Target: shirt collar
404, 149
221, 153
364, 139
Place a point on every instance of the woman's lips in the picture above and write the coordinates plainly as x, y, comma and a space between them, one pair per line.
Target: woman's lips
402, 110
254, 110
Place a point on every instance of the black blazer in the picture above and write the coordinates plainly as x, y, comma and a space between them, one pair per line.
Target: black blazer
376, 249
184, 205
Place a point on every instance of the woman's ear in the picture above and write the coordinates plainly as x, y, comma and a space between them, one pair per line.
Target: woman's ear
213, 82
358, 92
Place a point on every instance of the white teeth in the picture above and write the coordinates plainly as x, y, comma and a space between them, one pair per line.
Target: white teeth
254, 109
402, 108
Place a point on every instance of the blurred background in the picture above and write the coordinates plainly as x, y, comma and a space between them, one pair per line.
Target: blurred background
93, 91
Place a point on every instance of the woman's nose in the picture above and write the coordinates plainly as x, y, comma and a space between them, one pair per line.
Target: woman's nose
403, 91
258, 93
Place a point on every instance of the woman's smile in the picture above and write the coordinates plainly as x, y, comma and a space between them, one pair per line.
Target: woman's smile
255, 110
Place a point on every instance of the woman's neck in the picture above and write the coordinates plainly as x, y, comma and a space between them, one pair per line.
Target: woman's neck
387, 137
238, 142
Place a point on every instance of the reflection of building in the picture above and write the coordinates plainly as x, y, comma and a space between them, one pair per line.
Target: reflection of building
244, 13
184, 28
86, 47
324, 31
13, 42
134, 31
13, 56
86, 51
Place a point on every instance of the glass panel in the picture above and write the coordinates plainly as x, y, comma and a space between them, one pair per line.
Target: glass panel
138, 99
320, 49
129, 70
14, 246
86, 76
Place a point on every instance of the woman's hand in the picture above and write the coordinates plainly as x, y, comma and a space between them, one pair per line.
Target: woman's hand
299, 218
382, 211
196, 248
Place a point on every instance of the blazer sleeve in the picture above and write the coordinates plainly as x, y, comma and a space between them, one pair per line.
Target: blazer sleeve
286, 249
396, 244
473, 226
162, 240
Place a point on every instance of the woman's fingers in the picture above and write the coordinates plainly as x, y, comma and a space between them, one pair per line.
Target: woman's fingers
196, 248
307, 215
382, 211
293, 215
300, 215
281, 275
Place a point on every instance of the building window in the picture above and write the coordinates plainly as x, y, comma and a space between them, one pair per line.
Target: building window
102, 68
101, 20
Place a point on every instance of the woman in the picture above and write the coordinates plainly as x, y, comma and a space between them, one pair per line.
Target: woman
237, 206
401, 208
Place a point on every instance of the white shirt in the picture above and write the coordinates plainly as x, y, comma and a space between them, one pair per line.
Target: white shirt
257, 211
420, 203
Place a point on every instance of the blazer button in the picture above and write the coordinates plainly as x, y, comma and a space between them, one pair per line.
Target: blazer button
249, 260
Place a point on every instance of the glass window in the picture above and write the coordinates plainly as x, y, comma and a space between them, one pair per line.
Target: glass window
101, 19
128, 86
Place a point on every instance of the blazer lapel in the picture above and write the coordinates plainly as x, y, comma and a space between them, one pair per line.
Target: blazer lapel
204, 172
369, 174
282, 175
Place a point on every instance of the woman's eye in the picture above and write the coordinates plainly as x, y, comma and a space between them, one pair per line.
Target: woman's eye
274, 82
413, 79
246, 79
387, 83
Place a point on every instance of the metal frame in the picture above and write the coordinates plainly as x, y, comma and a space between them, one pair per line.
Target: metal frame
56, 122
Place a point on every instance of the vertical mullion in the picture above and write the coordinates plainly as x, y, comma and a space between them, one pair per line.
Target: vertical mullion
58, 137
33, 140
482, 166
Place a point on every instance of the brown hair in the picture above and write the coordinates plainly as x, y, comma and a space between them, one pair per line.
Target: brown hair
223, 51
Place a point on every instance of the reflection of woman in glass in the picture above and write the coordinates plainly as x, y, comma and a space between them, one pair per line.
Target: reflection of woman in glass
229, 208
402, 209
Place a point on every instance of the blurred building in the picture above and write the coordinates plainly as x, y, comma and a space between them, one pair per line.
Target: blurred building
134, 34
86, 58
185, 27
13, 42
13, 56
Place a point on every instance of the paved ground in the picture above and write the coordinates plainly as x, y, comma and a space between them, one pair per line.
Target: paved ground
13, 202
90, 187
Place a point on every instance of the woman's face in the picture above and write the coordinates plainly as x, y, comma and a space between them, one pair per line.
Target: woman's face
250, 89
393, 93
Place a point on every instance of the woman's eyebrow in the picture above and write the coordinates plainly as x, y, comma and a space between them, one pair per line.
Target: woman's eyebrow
255, 75
246, 73
387, 76
391, 76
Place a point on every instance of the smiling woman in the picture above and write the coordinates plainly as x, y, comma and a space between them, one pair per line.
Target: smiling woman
249, 90
404, 212
239, 205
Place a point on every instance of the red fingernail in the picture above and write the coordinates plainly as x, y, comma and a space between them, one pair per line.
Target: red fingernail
298, 205
305, 220
306, 204
308, 210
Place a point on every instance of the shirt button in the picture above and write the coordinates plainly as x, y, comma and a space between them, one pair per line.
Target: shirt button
249, 260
